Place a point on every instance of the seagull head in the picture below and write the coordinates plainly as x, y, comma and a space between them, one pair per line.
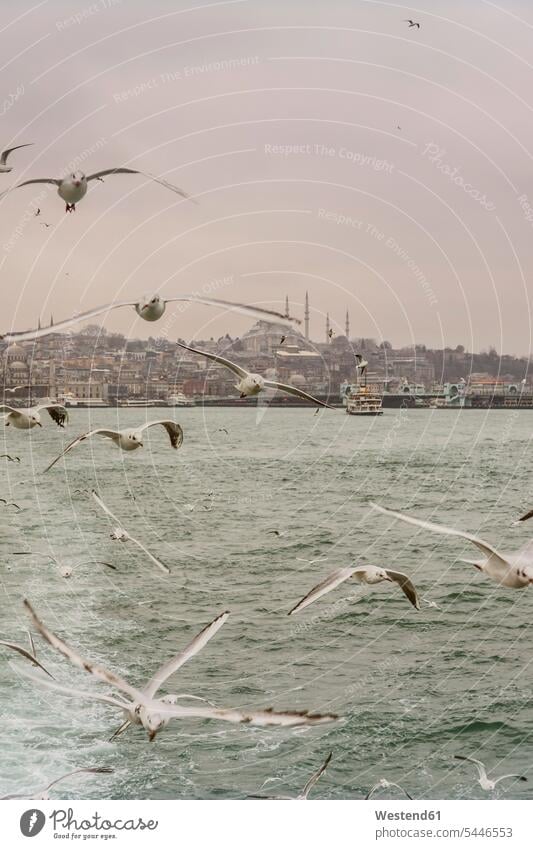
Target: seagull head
77, 178
35, 419
150, 307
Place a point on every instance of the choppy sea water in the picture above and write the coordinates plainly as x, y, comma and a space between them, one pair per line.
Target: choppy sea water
412, 688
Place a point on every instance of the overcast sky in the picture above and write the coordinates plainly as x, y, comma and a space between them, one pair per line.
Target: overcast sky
332, 149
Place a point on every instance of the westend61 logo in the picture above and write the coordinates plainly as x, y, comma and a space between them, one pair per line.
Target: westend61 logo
33, 821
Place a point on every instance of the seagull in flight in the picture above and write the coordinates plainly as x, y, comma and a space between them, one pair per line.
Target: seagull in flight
10, 458
127, 440
30, 654
141, 707
43, 794
11, 390
411, 23
121, 535
364, 575
66, 570
9, 503
509, 569
4, 167
149, 308
384, 784
72, 189
309, 786
485, 782
251, 384
30, 416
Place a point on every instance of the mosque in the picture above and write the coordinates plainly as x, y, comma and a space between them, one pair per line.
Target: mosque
265, 337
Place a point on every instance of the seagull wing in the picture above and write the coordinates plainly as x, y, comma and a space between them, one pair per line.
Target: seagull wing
5, 153
57, 413
38, 333
316, 775
5, 408
261, 718
55, 182
68, 690
407, 586
108, 171
25, 653
480, 766
99, 672
90, 769
160, 565
485, 547
105, 508
254, 312
325, 586
240, 372
111, 434
511, 775
372, 790
292, 390
95, 563
526, 516
174, 430
178, 660
393, 784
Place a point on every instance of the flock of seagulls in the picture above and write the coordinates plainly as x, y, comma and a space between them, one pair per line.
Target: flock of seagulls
148, 706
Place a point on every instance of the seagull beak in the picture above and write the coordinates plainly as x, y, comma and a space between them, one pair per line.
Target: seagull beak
141, 444
39, 423
151, 735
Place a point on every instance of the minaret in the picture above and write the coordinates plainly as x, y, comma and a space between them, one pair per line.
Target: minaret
347, 325
287, 313
306, 316
328, 340
51, 320
39, 325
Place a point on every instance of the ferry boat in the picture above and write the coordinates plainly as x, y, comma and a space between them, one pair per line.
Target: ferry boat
180, 400
364, 401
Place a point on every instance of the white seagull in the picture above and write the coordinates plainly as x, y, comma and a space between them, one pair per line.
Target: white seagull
309, 786
73, 188
66, 569
485, 782
30, 654
25, 419
120, 534
364, 575
43, 794
127, 440
4, 167
150, 308
11, 390
509, 569
141, 707
251, 384
384, 784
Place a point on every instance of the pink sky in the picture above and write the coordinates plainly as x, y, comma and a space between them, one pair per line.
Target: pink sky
282, 118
